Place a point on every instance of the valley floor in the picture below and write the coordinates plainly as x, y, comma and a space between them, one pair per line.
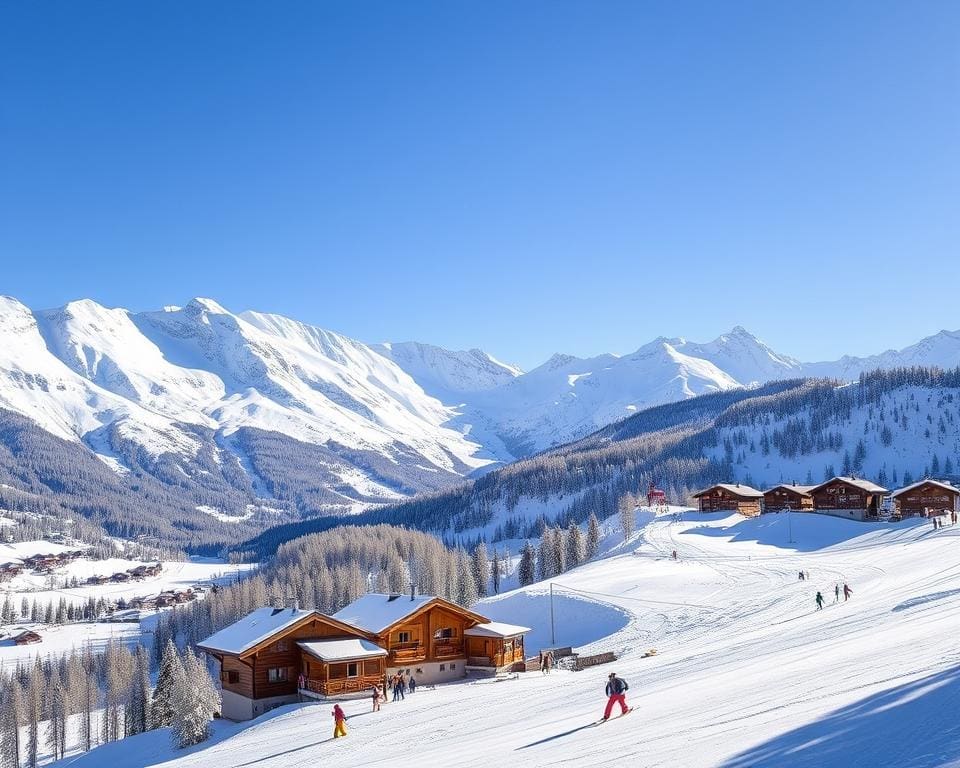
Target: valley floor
747, 672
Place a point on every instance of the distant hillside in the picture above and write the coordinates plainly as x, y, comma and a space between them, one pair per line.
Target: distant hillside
892, 426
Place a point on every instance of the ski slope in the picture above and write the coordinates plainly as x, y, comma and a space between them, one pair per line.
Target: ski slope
747, 672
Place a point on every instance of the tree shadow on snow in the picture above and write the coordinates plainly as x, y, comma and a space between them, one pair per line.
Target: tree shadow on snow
913, 602
913, 725
811, 531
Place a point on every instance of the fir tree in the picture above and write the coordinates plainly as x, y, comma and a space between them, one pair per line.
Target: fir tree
195, 701
161, 710
527, 569
576, 551
593, 537
481, 569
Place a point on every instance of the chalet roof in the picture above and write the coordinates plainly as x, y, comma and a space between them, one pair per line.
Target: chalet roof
496, 629
858, 482
938, 483
342, 649
253, 629
375, 612
803, 490
739, 489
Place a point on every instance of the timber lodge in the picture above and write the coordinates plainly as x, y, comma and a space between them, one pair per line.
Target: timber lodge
849, 497
274, 656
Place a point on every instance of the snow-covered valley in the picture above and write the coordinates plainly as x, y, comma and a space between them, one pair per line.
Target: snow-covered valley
747, 671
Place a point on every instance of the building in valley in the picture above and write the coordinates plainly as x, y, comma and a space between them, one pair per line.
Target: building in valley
273, 656
784, 497
924, 498
730, 497
849, 497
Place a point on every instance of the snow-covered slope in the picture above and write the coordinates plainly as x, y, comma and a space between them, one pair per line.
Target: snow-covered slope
747, 672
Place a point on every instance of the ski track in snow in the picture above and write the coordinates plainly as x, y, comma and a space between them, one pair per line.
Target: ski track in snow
747, 672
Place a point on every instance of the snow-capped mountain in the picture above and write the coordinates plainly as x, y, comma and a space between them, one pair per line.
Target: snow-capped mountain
171, 382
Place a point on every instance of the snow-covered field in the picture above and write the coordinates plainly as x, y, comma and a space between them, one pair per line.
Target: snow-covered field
747, 672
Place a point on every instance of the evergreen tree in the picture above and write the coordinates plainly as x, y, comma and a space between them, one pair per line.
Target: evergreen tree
138, 699
161, 710
467, 591
10, 711
576, 550
593, 537
481, 569
527, 569
627, 515
495, 571
195, 701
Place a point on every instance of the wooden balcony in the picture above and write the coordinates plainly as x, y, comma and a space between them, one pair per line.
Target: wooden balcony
406, 653
448, 649
344, 685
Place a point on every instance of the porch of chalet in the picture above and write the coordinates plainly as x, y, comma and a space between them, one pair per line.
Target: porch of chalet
340, 667
495, 645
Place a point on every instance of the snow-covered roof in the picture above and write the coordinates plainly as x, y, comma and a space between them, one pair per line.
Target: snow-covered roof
938, 483
739, 489
253, 629
342, 648
858, 482
375, 612
496, 629
801, 489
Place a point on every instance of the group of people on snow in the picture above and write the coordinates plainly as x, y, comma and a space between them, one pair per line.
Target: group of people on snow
399, 683
546, 662
836, 595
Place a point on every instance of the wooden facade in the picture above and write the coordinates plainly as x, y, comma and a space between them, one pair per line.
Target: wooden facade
784, 497
924, 498
725, 497
497, 652
848, 497
342, 677
432, 634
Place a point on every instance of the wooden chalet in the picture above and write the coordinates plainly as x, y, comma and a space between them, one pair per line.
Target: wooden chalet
728, 497
423, 634
848, 497
925, 498
28, 638
273, 655
496, 645
784, 497
263, 665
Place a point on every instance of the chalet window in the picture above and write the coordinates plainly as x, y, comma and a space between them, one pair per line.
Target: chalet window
281, 646
352, 669
231, 677
403, 637
277, 675
443, 634
453, 666
443, 667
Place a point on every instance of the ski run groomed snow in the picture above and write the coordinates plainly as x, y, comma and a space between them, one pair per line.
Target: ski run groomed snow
747, 671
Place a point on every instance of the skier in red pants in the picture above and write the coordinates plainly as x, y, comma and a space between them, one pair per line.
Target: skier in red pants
616, 694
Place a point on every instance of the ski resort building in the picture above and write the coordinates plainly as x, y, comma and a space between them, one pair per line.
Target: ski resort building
924, 498
274, 656
727, 497
848, 497
784, 497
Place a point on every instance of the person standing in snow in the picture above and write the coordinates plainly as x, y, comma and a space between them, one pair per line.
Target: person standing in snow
819, 601
543, 660
836, 594
549, 661
412, 686
616, 691
846, 592
801, 575
376, 698
339, 722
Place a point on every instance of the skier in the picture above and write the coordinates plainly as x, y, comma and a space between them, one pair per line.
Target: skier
547, 662
836, 594
340, 722
616, 691
819, 601
801, 575
376, 698
846, 592
412, 686
674, 554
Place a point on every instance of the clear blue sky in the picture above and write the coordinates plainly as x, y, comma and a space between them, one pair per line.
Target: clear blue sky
527, 177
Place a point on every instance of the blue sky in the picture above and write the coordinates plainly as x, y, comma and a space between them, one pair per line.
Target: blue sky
523, 177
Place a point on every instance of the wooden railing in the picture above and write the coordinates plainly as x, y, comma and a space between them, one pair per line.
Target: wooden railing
344, 685
447, 649
407, 652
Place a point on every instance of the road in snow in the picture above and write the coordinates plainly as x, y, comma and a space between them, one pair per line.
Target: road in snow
747, 672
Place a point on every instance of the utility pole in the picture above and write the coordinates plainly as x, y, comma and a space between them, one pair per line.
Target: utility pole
790, 523
553, 638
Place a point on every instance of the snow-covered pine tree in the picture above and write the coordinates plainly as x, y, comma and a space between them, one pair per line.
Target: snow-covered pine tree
467, 591
495, 571
593, 537
627, 515
34, 708
481, 569
576, 550
138, 699
56, 700
526, 571
195, 700
161, 710
545, 559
